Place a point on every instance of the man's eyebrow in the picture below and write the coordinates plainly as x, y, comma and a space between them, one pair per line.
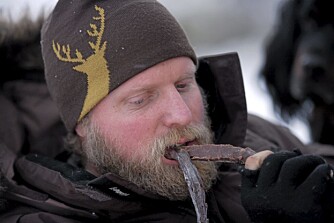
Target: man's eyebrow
193, 69
191, 72
188, 75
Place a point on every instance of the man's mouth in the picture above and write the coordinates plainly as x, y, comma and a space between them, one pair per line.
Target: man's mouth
177, 147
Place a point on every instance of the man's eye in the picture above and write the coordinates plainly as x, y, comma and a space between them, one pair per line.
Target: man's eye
182, 87
141, 100
137, 101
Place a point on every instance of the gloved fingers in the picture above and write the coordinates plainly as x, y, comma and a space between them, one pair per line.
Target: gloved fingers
249, 178
317, 182
255, 161
248, 187
271, 167
295, 170
328, 201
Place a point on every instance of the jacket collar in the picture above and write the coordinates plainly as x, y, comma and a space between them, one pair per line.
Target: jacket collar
220, 77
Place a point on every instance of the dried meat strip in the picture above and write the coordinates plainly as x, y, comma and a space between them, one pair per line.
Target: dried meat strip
217, 152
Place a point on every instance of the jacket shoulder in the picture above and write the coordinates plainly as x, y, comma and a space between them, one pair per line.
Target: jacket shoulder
263, 134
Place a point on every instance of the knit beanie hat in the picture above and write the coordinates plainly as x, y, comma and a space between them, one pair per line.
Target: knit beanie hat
90, 47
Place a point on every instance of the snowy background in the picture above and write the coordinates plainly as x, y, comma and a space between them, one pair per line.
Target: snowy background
213, 26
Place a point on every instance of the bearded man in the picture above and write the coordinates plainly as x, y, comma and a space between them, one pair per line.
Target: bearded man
160, 111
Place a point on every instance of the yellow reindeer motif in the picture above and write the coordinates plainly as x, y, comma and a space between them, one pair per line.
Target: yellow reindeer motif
95, 66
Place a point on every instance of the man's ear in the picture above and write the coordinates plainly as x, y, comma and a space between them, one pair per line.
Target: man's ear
80, 130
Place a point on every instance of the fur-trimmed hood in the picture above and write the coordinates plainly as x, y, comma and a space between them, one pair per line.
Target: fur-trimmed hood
20, 50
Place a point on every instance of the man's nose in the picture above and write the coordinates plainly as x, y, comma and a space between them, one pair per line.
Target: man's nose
177, 112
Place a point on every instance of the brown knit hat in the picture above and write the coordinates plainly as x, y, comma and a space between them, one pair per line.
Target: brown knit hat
90, 47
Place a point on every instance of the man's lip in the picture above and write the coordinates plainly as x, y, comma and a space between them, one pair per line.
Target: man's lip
168, 161
192, 142
185, 142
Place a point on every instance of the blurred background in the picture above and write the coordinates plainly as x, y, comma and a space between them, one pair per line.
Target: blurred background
213, 26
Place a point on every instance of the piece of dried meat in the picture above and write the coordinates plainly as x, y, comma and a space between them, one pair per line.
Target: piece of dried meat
211, 152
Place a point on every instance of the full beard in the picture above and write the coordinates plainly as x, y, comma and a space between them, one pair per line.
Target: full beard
146, 169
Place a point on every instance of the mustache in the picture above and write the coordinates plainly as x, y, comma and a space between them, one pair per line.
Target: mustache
194, 132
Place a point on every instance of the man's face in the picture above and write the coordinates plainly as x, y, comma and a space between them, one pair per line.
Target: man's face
129, 131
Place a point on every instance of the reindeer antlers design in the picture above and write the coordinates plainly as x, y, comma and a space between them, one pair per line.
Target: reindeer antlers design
95, 66
94, 33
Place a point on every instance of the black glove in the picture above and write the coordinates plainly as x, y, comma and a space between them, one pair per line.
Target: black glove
289, 187
328, 202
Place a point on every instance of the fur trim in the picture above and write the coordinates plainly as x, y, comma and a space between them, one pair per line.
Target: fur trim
20, 50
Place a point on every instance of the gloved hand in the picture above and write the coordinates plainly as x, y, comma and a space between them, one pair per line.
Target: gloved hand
289, 187
328, 202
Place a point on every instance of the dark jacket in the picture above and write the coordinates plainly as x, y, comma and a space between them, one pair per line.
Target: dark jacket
41, 187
